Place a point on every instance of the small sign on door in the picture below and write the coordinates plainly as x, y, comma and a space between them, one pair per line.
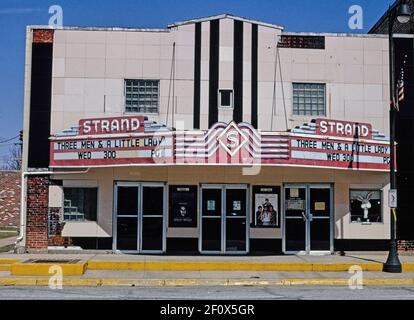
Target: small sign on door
294, 193
320, 206
236, 205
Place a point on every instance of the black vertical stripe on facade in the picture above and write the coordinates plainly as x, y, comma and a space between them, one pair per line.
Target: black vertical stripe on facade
238, 71
40, 105
214, 72
255, 36
197, 75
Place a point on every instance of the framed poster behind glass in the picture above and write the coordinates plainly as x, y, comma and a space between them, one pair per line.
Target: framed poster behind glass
183, 207
266, 207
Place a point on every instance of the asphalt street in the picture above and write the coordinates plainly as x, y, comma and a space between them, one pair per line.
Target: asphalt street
207, 293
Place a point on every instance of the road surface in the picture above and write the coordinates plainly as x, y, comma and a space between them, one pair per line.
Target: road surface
220, 293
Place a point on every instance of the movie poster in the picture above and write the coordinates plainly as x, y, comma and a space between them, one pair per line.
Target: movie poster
183, 207
266, 207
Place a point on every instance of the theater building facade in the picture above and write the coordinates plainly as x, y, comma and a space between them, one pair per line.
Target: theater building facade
220, 135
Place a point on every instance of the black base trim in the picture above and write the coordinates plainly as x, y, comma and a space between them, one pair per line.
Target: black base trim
189, 246
182, 245
361, 245
265, 246
93, 243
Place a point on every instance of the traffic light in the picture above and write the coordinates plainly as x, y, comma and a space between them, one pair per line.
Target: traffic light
21, 135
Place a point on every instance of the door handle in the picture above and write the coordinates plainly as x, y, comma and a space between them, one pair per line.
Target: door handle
304, 216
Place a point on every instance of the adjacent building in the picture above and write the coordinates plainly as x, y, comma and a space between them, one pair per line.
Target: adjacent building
219, 135
404, 66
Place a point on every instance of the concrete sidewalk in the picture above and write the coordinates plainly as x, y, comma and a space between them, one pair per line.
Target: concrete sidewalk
348, 258
370, 262
155, 271
98, 278
7, 241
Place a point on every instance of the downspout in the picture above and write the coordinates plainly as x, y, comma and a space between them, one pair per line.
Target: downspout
23, 198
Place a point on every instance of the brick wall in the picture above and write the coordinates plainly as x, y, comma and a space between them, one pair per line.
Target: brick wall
43, 36
37, 212
10, 186
405, 245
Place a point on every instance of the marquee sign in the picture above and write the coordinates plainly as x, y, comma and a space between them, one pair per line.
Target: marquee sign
135, 140
343, 129
111, 125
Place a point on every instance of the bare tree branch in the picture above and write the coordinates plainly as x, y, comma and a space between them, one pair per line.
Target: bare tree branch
14, 160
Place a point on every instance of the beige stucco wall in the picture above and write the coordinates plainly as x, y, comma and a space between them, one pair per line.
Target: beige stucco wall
89, 69
355, 70
275, 176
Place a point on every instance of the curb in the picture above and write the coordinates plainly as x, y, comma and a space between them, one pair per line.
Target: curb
9, 261
232, 266
21, 268
5, 267
44, 269
91, 282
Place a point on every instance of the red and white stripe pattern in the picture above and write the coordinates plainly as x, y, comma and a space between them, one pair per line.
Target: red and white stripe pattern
205, 147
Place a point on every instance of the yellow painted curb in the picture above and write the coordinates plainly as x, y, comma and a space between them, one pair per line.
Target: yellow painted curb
9, 261
27, 269
5, 267
90, 282
408, 267
115, 265
345, 266
228, 266
133, 282
45, 269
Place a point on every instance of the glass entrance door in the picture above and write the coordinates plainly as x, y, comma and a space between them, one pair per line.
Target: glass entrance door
320, 225
152, 218
211, 222
308, 219
139, 217
235, 221
224, 219
126, 215
295, 219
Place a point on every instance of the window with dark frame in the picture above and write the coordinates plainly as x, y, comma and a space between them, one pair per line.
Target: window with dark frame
365, 206
80, 204
309, 99
226, 98
142, 96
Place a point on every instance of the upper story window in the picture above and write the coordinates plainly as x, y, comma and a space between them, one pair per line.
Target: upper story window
226, 98
309, 99
80, 204
142, 96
